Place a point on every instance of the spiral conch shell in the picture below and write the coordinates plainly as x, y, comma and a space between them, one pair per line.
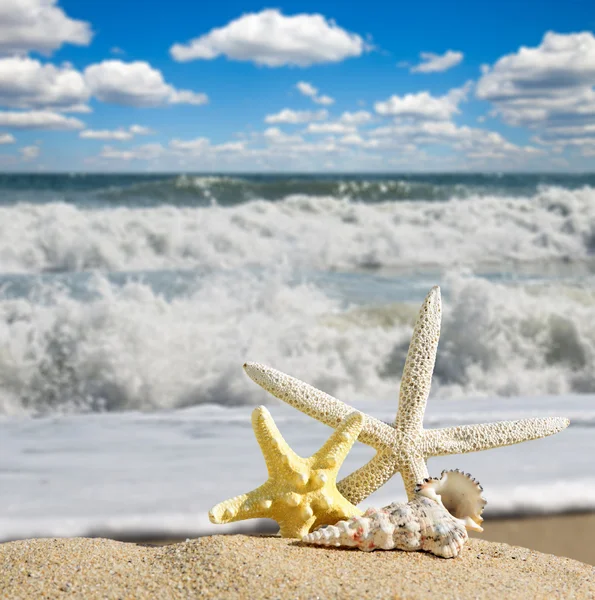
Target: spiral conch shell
435, 521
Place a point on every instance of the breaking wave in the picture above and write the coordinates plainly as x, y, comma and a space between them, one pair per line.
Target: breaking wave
132, 348
305, 231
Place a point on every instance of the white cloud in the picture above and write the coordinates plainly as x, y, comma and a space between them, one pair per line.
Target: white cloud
29, 152
135, 84
194, 146
27, 83
269, 38
6, 138
38, 119
331, 128
115, 134
435, 63
307, 89
38, 25
144, 152
424, 106
473, 143
120, 135
274, 135
202, 146
296, 116
548, 87
355, 118
140, 130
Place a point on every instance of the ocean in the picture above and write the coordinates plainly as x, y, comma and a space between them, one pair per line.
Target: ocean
128, 304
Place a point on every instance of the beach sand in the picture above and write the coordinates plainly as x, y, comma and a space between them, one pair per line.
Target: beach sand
571, 535
255, 567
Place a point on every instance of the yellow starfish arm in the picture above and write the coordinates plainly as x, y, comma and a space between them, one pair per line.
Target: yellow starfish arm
419, 365
277, 454
253, 505
472, 438
300, 491
337, 447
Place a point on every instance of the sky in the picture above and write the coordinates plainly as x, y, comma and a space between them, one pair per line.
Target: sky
325, 86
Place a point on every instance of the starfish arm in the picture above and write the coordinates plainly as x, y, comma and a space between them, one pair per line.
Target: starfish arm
419, 365
253, 505
367, 479
276, 451
337, 447
414, 471
473, 438
316, 404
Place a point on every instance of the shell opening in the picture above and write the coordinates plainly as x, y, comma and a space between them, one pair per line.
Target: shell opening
460, 494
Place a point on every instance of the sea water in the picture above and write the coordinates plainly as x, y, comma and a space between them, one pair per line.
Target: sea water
129, 303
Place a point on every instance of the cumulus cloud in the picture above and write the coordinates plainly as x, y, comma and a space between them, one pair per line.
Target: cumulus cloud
201, 146
330, 128
307, 89
120, 135
436, 63
40, 25
29, 152
272, 39
355, 118
144, 152
296, 116
38, 119
274, 135
6, 138
548, 87
424, 106
472, 142
135, 84
27, 83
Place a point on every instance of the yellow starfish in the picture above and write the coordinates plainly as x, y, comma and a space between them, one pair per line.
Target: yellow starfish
300, 492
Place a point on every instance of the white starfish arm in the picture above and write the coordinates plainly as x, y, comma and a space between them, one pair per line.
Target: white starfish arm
419, 366
367, 479
317, 404
473, 438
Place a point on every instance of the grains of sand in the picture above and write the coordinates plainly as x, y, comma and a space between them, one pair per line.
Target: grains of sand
257, 567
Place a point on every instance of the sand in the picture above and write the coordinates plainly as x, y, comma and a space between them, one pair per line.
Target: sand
255, 567
570, 535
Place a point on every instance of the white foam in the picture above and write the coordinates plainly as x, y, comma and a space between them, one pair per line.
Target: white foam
311, 231
158, 474
130, 348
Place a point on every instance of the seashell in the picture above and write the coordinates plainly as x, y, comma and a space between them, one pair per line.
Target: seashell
424, 523
459, 493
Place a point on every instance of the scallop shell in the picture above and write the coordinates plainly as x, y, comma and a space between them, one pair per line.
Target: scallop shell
459, 493
425, 523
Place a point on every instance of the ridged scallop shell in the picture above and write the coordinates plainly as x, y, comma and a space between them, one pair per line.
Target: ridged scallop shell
424, 523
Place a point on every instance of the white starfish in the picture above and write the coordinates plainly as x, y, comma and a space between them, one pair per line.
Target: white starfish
406, 446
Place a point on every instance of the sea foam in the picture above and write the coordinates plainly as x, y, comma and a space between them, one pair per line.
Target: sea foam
319, 232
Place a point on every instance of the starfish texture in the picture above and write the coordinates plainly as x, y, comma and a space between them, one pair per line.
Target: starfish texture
405, 446
300, 492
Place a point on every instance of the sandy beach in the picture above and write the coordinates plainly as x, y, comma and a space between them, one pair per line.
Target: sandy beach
570, 535
254, 567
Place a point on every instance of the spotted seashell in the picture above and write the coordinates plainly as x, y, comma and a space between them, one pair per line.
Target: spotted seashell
424, 523
421, 524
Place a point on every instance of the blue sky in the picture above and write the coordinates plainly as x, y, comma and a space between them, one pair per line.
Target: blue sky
296, 86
